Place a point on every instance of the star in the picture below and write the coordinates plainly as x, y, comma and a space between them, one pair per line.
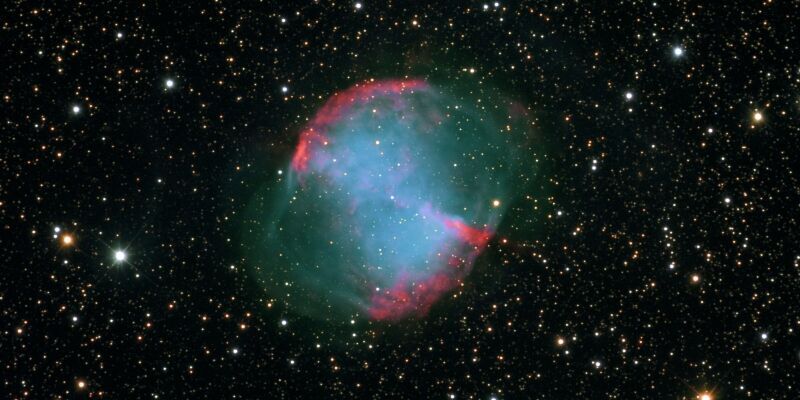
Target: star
76, 110
757, 116
169, 83
628, 95
120, 256
677, 51
67, 240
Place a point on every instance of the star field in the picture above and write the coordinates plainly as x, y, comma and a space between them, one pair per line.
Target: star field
648, 246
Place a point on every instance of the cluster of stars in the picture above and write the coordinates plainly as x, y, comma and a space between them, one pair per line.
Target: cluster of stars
665, 122
67, 239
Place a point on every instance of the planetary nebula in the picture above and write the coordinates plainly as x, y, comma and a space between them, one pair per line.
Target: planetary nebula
393, 190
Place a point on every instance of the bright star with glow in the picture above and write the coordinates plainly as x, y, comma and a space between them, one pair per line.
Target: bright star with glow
677, 51
76, 109
120, 255
169, 83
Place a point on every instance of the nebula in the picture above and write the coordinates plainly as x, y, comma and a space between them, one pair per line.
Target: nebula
394, 188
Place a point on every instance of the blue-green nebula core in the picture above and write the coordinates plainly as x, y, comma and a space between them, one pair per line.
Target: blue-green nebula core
394, 189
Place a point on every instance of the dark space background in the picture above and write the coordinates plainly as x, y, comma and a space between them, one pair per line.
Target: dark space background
654, 253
